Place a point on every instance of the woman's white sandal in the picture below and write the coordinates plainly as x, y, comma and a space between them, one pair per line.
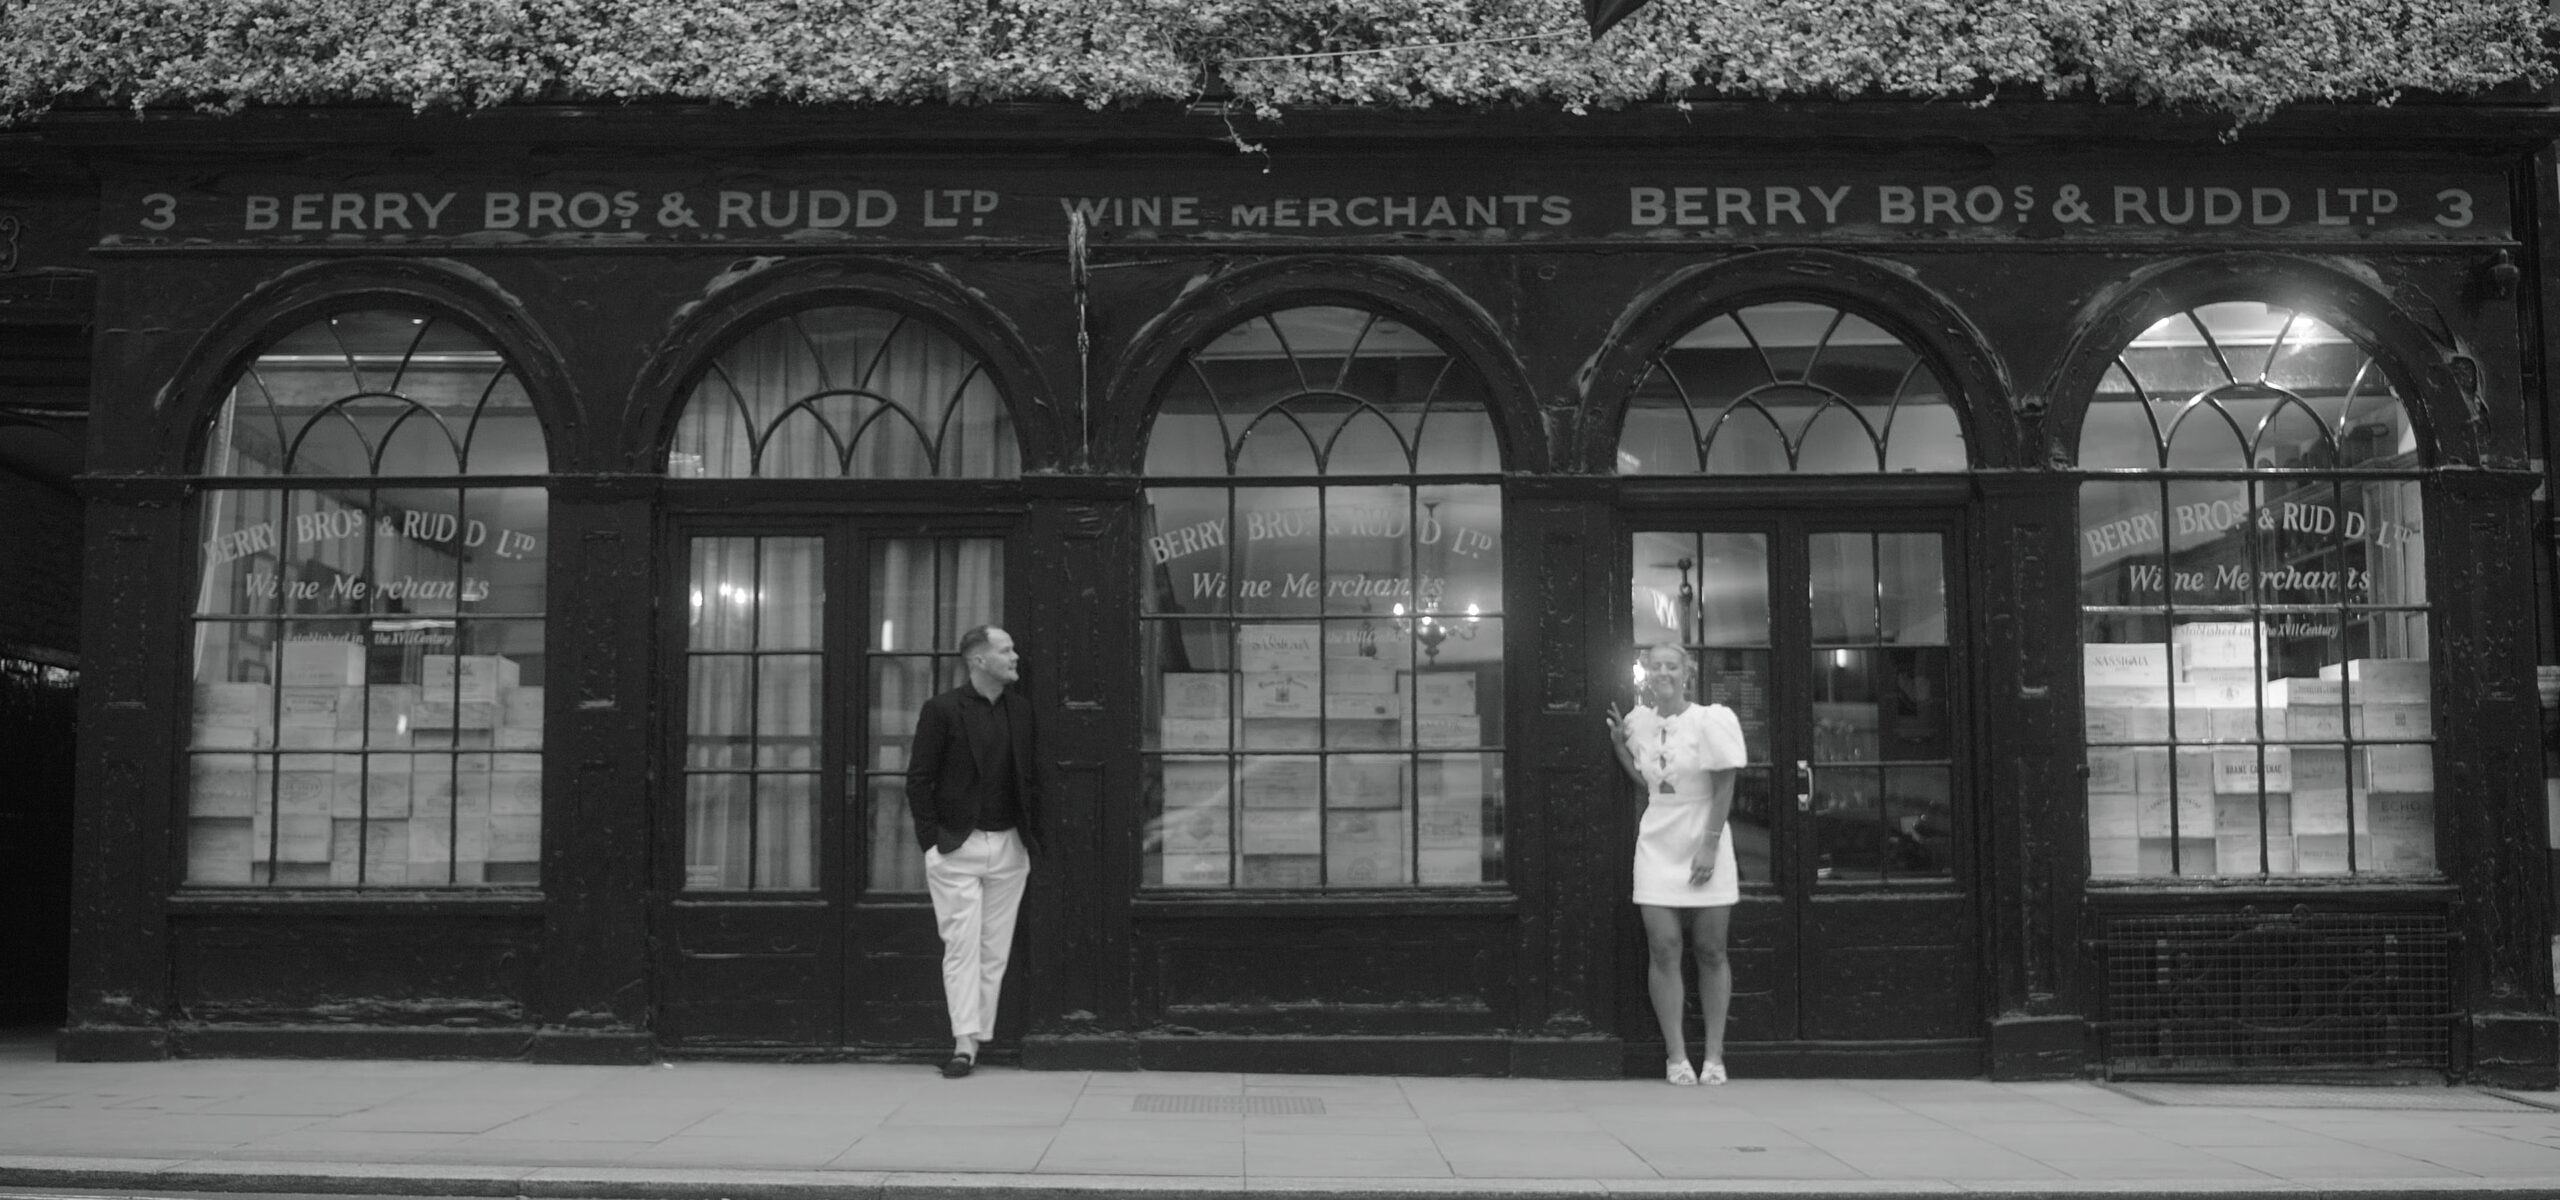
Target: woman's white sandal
1677, 1073
1712, 1074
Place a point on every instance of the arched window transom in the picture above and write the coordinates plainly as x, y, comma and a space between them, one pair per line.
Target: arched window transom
378, 393
846, 392
2245, 384
1789, 387
1324, 390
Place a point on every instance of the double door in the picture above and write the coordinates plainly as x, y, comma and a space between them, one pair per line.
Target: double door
1839, 644
793, 908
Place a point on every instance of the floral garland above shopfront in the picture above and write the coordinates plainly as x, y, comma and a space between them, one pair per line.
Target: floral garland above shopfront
2244, 59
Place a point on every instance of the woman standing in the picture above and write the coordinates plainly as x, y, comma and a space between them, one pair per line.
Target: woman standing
1686, 756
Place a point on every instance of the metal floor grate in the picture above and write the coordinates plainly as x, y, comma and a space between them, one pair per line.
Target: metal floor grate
2211, 1095
1253, 1106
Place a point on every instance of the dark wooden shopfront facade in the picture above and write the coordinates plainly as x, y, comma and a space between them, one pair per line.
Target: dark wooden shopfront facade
1328, 491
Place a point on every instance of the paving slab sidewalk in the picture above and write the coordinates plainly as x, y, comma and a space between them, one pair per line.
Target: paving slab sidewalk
761, 1131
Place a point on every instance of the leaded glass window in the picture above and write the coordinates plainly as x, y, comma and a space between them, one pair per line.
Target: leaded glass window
2254, 600
1323, 616
368, 653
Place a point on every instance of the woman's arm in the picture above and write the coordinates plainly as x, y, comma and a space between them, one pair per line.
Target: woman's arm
1719, 811
1618, 745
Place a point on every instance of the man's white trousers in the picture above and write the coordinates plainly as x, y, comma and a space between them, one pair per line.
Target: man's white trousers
976, 890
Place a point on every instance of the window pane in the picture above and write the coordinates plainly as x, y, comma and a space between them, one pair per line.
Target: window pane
718, 713
1844, 587
1920, 823
1459, 557
1190, 830
896, 864
1368, 549
786, 832
504, 549
900, 684
1187, 550
1848, 824
716, 837
1278, 559
969, 578
787, 710
905, 596
1911, 589
722, 592
1460, 810
790, 593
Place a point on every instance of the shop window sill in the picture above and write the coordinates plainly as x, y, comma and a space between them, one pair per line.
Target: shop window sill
1228, 905
404, 901
2399, 889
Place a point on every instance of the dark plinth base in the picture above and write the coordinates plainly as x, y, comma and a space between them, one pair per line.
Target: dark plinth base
2515, 1050
2054, 1047
346, 1041
594, 1047
1951, 1058
111, 1043
1538, 1058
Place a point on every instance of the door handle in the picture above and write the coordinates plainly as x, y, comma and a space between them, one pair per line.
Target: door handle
1804, 771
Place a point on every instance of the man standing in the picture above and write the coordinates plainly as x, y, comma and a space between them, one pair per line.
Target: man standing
973, 784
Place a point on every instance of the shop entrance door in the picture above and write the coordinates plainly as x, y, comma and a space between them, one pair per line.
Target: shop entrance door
793, 909
1839, 644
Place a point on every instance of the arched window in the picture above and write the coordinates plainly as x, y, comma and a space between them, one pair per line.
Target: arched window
2254, 601
845, 392
1789, 387
368, 656
1324, 611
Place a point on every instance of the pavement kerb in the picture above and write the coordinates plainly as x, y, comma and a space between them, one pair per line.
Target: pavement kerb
603, 1183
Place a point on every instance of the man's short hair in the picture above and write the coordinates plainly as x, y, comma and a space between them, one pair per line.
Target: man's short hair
978, 635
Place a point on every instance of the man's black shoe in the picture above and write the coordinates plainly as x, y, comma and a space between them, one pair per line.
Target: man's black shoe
958, 1066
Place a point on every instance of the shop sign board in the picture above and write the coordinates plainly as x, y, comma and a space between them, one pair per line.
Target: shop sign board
1460, 200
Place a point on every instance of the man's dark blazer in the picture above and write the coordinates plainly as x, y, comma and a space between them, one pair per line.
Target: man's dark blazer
945, 783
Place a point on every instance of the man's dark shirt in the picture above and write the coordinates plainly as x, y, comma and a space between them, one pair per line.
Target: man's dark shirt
988, 726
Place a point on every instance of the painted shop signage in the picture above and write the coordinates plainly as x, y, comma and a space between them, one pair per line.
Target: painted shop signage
911, 202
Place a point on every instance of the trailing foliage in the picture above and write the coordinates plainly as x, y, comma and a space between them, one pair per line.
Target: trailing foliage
2242, 57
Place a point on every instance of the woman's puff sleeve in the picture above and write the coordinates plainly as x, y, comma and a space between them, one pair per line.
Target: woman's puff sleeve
1721, 734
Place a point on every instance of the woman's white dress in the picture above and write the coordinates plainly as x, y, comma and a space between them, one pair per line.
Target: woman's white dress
1681, 749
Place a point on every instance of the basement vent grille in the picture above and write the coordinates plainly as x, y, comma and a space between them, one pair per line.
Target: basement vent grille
2404, 1099
1252, 1106
2238, 992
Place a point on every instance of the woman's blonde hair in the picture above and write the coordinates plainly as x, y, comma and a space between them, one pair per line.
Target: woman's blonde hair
1688, 660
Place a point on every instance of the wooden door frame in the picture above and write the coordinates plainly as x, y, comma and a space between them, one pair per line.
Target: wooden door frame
1791, 510
841, 516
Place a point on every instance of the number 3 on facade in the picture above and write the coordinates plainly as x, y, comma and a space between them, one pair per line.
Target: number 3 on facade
2457, 208
164, 210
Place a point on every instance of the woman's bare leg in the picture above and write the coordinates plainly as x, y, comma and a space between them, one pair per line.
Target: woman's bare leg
1708, 929
1662, 979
